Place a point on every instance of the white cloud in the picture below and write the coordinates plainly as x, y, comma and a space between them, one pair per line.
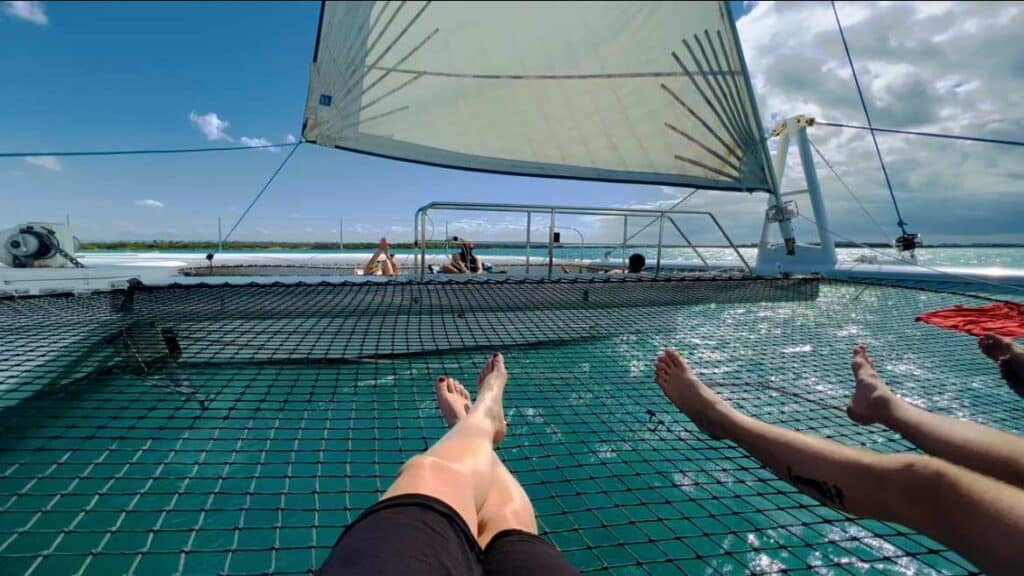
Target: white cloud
953, 68
215, 129
211, 126
254, 141
49, 162
33, 12
149, 203
291, 139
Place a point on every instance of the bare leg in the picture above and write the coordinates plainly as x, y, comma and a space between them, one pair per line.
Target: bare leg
986, 450
979, 517
1009, 356
394, 265
507, 506
387, 267
459, 468
457, 265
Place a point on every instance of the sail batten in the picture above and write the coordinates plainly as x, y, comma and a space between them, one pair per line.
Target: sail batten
609, 91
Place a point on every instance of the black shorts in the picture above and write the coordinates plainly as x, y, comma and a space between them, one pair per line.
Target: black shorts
417, 534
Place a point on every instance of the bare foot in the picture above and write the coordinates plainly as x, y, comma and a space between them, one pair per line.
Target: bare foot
995, 346
452, 399
872, 398
691, 396
1008, 355
490, 389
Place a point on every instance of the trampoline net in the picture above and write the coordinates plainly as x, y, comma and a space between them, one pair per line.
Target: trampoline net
238, 429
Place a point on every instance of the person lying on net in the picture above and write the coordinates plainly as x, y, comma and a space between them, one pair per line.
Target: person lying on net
968, 494
382, 263
1009, 356
464, 261
454, 509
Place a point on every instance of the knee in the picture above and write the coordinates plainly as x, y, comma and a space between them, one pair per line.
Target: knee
431, 469
916, 478
514, 515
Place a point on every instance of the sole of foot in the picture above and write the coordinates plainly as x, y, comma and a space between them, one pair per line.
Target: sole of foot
686, 391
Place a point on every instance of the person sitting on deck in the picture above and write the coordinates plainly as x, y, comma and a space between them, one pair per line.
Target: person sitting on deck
456, 508
635, 266
636, 263
382, 263
1009, 356
968, 494
464, 261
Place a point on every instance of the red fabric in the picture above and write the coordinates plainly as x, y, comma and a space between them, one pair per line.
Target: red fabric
1004, 319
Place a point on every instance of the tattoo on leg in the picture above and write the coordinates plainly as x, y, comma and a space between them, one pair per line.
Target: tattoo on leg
830, 493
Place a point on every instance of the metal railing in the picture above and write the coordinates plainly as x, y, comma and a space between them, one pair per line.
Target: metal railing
658, 216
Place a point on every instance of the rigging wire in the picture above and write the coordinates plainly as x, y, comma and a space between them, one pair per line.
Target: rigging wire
142, 151
867, 115
266, 185
920, 133
848, 189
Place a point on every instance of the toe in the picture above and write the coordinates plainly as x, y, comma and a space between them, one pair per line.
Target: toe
498, 361
674, 357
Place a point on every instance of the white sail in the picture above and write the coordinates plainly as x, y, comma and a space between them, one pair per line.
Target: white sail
645, 92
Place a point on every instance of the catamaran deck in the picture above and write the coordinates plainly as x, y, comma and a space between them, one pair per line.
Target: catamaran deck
290, 408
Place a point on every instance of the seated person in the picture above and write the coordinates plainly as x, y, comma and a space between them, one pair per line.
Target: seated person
382, 263
464, 261
635, 266
636, 263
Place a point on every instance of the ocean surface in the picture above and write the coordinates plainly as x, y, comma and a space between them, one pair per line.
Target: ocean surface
1012, 257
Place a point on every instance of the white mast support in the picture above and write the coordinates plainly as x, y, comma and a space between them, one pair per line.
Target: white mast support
779, 164
828, 247
807, 259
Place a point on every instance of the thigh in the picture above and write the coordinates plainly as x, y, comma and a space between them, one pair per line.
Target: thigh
519, 553
409, 534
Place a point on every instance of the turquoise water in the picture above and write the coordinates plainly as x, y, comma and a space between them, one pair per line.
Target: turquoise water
1005, 257
113, 474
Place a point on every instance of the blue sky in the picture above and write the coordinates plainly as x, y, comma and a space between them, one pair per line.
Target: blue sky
83, 76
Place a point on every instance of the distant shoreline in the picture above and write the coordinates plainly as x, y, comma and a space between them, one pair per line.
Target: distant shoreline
172, 245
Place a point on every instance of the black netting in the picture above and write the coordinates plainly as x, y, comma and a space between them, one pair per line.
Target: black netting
237, 429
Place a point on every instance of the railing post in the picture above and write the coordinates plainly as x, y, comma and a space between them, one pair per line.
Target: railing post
661, 234
528, 226
625, 231
423, 245
551, 243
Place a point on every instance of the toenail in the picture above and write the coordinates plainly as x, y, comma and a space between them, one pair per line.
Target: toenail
442, 379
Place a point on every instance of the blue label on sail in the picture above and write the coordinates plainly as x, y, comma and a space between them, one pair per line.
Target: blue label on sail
325, 99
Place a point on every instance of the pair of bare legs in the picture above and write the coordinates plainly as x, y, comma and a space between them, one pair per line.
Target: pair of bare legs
1008, 356
458, 266
968, 494
462, 469
387, 266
